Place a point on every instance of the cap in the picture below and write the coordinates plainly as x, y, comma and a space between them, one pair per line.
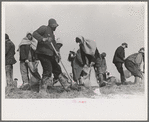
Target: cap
53, 23
28, 34
6, 36
125, 44
141, 49
103, 54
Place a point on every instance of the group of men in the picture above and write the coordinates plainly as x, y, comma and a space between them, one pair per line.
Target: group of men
42, 46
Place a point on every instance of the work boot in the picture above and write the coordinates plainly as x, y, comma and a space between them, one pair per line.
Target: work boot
102, 84
55, 81
25, 86
35, 87
124, 83
43, 81
49, 85
64, 82
46, 82
137, 80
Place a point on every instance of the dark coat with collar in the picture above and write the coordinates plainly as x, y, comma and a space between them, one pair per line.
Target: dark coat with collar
44, 47
119, 55
9, 52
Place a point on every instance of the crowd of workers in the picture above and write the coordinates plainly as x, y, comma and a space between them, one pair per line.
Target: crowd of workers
41, 46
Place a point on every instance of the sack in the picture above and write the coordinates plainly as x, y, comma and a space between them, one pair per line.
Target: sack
32, 66
34, 75
127, 74
90, 79
93, 78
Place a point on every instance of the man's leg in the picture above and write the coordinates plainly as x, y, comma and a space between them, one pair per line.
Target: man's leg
47, 70
9, 79
24, 72
137, 80
120, 70
56, 71
58, 74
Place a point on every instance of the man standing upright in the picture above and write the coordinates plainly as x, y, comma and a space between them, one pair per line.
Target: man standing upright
28, 58
118, 60
9, 60
46, 54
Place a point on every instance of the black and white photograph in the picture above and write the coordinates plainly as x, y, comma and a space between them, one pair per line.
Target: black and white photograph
74, 60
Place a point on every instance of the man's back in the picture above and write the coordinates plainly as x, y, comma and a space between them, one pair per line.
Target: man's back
119, 55
44, 47
9, 53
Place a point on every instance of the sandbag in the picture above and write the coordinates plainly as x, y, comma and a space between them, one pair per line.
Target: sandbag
90, 79
93, 79
127, 74
86, 79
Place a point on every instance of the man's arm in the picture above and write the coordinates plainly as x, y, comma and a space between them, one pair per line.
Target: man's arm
105, 64
38, 34
8, 46
24, 51
121, 54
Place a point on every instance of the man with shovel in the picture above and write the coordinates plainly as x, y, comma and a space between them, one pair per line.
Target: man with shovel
46, 51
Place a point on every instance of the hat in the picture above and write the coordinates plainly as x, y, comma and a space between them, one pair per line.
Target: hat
28, 34
103, 54
78, 39
141, 49
125, 44
52, 22
6, 36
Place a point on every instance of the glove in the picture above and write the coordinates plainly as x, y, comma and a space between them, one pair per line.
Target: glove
26, 61
91, 64
44, 39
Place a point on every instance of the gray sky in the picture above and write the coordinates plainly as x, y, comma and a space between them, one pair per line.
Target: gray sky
109, 24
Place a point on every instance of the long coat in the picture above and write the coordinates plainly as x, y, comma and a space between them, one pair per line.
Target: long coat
119, 55
9, 53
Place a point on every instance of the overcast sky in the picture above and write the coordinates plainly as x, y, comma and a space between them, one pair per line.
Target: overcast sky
109, 24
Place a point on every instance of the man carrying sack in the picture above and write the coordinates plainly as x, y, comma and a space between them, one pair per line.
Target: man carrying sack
28, 64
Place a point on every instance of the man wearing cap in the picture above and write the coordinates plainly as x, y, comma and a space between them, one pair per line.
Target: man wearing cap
101, 68
46, 54
9, 60
133, 63
118, 60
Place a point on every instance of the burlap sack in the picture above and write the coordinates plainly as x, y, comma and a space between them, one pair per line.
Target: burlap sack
127, 74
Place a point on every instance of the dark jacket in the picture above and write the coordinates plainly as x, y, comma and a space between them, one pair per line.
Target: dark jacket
119, 55
44, 47
9, 53
98, 59
27, 53
103, 65
77, 65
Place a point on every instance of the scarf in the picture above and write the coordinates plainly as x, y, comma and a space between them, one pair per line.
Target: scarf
25, 41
